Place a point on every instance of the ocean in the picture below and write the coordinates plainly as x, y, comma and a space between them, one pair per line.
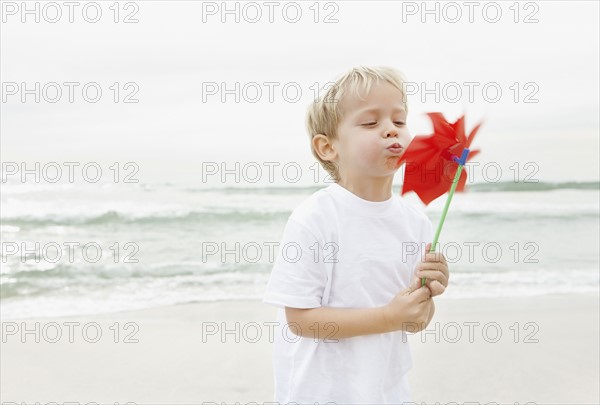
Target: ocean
116, 246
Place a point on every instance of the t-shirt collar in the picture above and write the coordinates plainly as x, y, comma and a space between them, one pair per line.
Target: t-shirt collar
371, 208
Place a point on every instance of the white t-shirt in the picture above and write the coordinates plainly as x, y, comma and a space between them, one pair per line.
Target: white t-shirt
339, 250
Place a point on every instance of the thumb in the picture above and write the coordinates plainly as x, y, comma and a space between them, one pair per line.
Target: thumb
421, 294
415, 284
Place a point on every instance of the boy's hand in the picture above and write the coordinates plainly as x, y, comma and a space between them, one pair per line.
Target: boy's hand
409, 309
435, 269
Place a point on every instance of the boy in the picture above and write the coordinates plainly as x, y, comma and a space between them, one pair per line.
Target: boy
347, 277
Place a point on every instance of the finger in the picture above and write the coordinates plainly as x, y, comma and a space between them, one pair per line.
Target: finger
426, 251
415, 284
432, 266
433, 275
440, 268
436, 288
435, 257
421, 294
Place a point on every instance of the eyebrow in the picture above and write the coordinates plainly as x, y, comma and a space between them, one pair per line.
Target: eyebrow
367, 110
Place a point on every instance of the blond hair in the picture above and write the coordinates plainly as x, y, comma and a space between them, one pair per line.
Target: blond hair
325, 113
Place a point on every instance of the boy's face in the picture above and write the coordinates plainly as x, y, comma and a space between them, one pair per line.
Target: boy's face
368, 129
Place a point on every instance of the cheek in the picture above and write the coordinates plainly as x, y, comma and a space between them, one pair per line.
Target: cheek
366, 151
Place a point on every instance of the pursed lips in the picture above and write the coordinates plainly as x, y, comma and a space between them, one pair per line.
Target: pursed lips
395, 149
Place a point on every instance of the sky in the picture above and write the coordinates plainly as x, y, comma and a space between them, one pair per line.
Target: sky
180, 58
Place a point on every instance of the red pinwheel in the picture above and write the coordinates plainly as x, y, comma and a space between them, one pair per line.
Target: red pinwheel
430, 165
434, 164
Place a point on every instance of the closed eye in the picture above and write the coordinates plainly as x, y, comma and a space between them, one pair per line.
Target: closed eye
375, 123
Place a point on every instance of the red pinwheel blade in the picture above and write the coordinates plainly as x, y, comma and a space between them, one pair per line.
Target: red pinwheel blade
430, 168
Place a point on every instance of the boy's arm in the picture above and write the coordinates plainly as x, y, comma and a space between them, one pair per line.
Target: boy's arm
409, 308
336, 323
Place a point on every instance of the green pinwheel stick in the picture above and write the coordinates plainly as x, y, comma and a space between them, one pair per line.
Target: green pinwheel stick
461, 163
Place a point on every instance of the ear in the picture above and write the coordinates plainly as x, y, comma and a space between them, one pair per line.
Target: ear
324, 147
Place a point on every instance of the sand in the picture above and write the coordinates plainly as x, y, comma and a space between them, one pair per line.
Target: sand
542, 350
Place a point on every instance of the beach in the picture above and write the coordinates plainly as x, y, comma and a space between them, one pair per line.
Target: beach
153, 154
537, 349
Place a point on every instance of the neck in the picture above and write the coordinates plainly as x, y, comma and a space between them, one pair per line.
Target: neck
371, 189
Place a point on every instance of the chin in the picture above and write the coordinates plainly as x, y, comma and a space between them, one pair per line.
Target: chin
394, 163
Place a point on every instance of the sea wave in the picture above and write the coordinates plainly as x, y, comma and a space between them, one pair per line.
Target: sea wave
532, 186
500, 186
27, 298
492, 211
283, 189
116, 217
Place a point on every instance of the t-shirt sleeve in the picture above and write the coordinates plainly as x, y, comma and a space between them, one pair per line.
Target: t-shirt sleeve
298, 278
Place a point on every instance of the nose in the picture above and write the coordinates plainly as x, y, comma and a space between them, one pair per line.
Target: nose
391, 131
